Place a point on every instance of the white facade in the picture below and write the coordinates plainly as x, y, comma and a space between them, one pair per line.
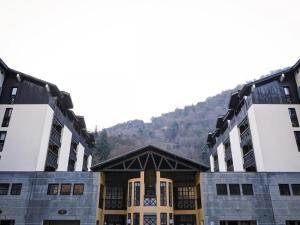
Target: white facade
273, 140
27, 139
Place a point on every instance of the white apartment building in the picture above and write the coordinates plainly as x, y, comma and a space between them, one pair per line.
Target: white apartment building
260, 131
38, 129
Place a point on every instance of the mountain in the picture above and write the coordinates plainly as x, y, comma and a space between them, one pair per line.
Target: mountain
183, 131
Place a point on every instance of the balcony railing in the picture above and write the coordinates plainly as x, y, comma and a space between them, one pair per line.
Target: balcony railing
230, 168
245, 137
55, 137
249, 159
150, 200
52, 159
185, 204
73, 155
228, 154
114, 204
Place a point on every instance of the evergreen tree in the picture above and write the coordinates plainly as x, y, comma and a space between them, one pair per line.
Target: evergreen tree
102, 147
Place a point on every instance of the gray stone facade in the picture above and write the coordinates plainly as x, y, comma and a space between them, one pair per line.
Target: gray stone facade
266, 206
34, 206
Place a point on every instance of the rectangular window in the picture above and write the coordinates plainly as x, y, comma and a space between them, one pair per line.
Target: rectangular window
171, 218
163, 218
296, 189
6, 118
198, 191
185, 198
163, 193
2, 139
234, 189
136, 193
4, 189
247, 189
13, 94
114, 197
221, 189
297, 137
287, 94
293, 116
129, 194
284, 189
101, 196
16, 189
170, 194
136, 219
292, 222
65, 189
129, 219
78, 189
53, 189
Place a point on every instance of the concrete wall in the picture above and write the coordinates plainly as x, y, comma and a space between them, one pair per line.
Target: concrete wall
273, 137
34, 205
80, 155
64, 151
236, 151
266, 206
27, 138
221, 158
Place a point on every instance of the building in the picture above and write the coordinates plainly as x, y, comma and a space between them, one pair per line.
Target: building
260, 130
39, 126
258, 183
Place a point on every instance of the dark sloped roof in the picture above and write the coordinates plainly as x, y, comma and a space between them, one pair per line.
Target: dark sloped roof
106, 165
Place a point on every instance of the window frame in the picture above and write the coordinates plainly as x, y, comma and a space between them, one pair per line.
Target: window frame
163, 218
282, 191
247, 192
7, 117
49, 190
222, 191
163, 193
295, 192
65, 193
14, 191
234, 189
75, 191
6, 188
136, 193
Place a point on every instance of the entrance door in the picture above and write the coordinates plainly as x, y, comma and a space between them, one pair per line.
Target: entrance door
115, 219
185, 220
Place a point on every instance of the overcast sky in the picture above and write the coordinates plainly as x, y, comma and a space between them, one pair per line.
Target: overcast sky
124, 60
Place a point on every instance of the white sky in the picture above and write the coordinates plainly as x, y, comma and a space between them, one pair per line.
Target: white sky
124, 60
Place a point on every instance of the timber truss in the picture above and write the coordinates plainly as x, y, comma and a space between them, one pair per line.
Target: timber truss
151, 158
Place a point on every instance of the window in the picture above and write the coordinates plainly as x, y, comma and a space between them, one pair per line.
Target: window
198, 191
101, 196
171, 218
136, 193
297, 137
296, 189
163, 218
293, 116
129, 218
216, 163
129, 194
6, 117
221, 189
52, 189
136, 218
65, 189
13, 94
16, 189
78, 189
163, 193
2, 139
287, 94
170, 194
114, 197
284, 189
234, 189
4, 189
292, 222
185, 198
247, 189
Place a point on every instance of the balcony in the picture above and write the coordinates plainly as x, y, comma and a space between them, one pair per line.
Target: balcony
150, 196
249, 159
216, 166
55, 137
228, 155
73, 155
246, 138
52, 159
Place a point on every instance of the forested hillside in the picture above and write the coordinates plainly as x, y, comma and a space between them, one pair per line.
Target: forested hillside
182, 131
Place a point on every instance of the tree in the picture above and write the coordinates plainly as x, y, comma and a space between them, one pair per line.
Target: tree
102, 148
